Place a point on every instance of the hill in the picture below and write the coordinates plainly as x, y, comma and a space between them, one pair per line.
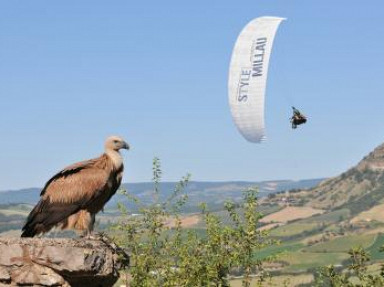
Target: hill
319, 225
358, 189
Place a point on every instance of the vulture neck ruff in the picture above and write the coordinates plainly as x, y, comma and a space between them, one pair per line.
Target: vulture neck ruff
116, 158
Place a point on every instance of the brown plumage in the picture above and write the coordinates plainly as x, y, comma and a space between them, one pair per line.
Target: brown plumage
73, 196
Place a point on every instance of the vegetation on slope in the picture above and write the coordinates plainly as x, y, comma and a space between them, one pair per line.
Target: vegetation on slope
162, 255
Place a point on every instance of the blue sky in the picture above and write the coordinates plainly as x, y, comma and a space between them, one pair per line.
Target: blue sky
155, 72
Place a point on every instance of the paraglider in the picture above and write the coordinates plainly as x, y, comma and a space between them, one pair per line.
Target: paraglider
248, 76
298, 118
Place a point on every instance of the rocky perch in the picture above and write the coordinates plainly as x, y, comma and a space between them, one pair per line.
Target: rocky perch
59, 262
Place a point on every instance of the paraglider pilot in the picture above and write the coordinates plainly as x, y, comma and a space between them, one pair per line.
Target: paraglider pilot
297, 118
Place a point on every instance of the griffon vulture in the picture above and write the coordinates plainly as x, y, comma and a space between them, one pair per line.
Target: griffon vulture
73, 196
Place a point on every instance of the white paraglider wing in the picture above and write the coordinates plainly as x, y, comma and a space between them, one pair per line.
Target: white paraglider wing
248, 76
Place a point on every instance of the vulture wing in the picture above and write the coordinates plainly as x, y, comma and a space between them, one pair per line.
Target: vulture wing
70, 190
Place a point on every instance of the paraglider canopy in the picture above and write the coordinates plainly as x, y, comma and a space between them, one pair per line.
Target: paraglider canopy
248, 76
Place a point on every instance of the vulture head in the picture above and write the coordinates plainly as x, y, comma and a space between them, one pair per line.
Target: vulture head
115, 143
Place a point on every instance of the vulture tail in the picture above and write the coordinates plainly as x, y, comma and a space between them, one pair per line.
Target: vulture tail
45, 215
29, 229
30, 232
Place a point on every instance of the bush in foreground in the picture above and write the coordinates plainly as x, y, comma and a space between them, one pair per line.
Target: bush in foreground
163, 253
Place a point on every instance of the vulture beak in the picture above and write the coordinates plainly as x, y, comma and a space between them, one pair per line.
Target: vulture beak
125, 145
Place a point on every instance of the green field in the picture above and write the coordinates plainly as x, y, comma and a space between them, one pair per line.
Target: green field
301, 261
279, 249
12, 217
330, 217
374, 249
293, 229
343, 244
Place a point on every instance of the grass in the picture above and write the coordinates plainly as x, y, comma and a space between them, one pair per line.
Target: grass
293, 229
277, 249
302, 261
374, 249
343, 244
330, 217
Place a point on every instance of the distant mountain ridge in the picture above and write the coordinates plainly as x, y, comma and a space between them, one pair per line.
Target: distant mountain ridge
214, 193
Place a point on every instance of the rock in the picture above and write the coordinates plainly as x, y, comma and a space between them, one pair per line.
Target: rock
59, 262
36, 274
4, 275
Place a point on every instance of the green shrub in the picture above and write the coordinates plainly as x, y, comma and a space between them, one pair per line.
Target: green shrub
164, 254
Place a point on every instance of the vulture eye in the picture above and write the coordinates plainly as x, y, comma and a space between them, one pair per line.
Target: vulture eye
115, 141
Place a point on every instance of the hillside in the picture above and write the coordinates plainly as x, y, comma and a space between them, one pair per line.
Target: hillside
358, 189
319, 225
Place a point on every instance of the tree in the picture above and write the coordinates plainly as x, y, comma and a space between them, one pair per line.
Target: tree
163, 253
